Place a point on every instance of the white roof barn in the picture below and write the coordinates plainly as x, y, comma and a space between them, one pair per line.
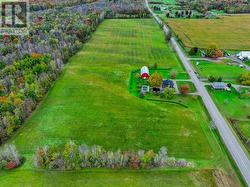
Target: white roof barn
243, 54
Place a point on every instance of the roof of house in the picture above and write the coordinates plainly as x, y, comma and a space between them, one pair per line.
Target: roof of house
219, 85
167, 83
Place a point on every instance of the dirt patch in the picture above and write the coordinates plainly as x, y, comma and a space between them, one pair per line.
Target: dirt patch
185, 132
222, 179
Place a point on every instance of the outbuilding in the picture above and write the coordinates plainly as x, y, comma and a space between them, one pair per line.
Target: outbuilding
144, 89
144, 72
219, 86
244, 55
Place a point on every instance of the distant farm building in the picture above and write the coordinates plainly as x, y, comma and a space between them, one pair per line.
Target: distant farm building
219, 86
244, 55
144, 72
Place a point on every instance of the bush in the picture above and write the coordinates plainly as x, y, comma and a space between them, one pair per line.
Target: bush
9, 157
211, 78
193, 51
2, 65
213, 51
173, 75
185, 89
245, 79
169, 93
219, 79
168, 36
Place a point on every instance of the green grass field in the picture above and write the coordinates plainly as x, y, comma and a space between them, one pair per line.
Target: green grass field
228, 32
90, 103
218, 69
235, 108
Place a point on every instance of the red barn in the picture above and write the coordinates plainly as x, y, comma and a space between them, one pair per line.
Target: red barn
144, 72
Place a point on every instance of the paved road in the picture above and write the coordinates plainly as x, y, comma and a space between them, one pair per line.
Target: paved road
226, 133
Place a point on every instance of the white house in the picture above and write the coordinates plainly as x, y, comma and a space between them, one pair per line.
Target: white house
244, 55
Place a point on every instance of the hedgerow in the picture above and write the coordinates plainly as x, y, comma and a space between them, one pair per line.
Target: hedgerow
72, 157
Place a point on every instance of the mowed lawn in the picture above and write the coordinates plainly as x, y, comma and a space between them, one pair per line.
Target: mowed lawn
90, 103
235, 108
229, 32
218, 69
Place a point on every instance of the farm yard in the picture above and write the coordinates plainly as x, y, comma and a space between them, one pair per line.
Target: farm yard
90, 103
227, 102
230, 72
228, 32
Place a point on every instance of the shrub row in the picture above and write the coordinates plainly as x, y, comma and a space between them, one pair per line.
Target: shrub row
75, 157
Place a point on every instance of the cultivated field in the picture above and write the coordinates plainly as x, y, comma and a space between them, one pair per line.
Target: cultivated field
229, 32
90, 103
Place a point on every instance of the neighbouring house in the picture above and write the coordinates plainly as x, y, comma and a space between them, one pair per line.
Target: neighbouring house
144, 89
144, 72
167, 83
244, 55
219, 86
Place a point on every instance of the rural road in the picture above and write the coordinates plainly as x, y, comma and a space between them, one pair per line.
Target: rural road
224, 130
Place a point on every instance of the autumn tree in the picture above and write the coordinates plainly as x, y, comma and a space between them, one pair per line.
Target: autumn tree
214, 51
173, 75
155, 80
185, 89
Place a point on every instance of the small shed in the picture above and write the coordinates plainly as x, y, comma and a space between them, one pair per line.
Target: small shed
144, 89
144, 72
167, 83
219, 86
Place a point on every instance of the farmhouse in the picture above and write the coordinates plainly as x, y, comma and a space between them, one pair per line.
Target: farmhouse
167, 83
144, 72
244, 55
219, 86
